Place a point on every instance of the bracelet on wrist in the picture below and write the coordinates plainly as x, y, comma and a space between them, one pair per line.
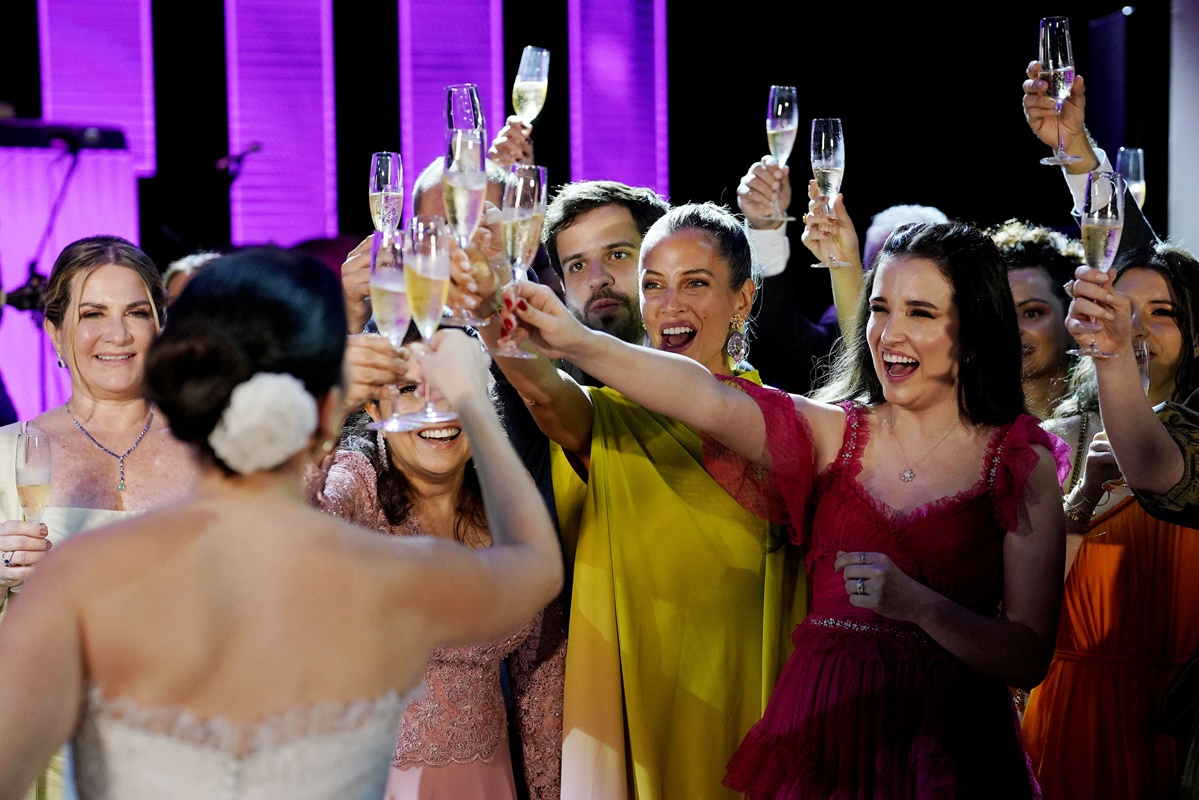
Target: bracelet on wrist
1080, 517
1082, 505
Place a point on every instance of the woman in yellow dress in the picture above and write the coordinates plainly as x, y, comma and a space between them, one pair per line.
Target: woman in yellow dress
682, 604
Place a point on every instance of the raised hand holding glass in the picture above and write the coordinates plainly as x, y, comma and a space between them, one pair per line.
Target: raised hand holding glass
389, 300
464, 192
828, 168
525, 200
1102, 226
531, 84
386, 192
782, 125
1056, 56
427, 275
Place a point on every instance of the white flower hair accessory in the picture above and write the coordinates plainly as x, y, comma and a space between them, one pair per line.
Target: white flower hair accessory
270, 418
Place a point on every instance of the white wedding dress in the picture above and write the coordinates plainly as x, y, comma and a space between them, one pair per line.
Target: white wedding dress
335, 750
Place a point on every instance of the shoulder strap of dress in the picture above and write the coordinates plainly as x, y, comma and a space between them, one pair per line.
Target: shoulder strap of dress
993, 455
856, 434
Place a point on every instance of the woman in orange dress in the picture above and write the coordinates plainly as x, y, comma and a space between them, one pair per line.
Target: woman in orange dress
1130, 611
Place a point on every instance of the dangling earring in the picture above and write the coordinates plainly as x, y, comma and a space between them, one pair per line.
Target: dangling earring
737, 346
60, 364
384, 458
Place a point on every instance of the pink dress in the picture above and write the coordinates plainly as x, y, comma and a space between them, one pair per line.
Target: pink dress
453, 739
868, 707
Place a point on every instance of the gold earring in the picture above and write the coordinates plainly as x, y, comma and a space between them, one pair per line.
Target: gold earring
737, 346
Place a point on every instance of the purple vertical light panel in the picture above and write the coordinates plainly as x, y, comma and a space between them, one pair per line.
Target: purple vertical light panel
97, 62
439, 46
280, 92
618, 99
101, 197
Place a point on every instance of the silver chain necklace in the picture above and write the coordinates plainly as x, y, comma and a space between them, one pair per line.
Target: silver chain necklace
120, 458
907, 474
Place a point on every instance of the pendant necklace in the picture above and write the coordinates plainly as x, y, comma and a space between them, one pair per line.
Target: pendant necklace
907, 475
120, 458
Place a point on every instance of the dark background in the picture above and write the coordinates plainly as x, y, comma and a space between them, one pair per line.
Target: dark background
931, 104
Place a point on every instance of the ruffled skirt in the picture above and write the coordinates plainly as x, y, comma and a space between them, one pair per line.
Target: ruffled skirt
870, 710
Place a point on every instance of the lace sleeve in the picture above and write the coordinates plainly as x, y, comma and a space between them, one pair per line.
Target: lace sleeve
537, 669
1180, 504
783, 493
1015, 459
349, 490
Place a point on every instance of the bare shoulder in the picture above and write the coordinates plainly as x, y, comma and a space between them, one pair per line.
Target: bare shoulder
827, 421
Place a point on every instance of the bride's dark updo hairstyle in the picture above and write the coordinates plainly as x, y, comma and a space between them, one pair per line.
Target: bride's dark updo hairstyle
263, 309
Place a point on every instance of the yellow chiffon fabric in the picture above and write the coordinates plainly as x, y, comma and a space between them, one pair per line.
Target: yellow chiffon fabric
680, 615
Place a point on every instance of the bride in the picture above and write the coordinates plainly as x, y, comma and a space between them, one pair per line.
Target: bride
241, 643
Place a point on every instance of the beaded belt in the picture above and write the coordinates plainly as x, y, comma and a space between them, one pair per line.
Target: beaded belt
871, 628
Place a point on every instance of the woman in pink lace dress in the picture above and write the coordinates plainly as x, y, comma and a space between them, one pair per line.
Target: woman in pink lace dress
453, 741
928, 506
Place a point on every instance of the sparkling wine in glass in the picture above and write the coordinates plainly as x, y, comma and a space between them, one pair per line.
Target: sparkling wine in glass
389, 301
828, 167
1057, 70
782, 125
1130, 162
463, 111
464, 192
1102, 225
523, 215
427, 275
386, 192
532, 82
33, 473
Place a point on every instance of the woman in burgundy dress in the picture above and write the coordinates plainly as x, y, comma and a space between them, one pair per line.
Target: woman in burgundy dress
927, 503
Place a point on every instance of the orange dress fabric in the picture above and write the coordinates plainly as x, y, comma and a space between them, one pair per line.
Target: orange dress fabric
1129, 621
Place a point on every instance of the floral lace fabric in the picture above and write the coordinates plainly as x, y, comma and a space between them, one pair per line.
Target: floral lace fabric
337, 749
461, 717
537, 669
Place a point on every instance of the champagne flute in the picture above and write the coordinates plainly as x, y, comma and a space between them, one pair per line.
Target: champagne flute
828, 167
1130, 162
525, 200
531, 84
33, 473
782, 124
464, 192
463, 111
1102, 225
389, 300
427, 275
1057, 70
386, 192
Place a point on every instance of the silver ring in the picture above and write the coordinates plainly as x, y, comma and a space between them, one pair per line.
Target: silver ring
1068, 287
8, 558
861, 586
861, 558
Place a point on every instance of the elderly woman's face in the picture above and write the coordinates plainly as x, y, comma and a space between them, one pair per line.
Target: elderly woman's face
109, 327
